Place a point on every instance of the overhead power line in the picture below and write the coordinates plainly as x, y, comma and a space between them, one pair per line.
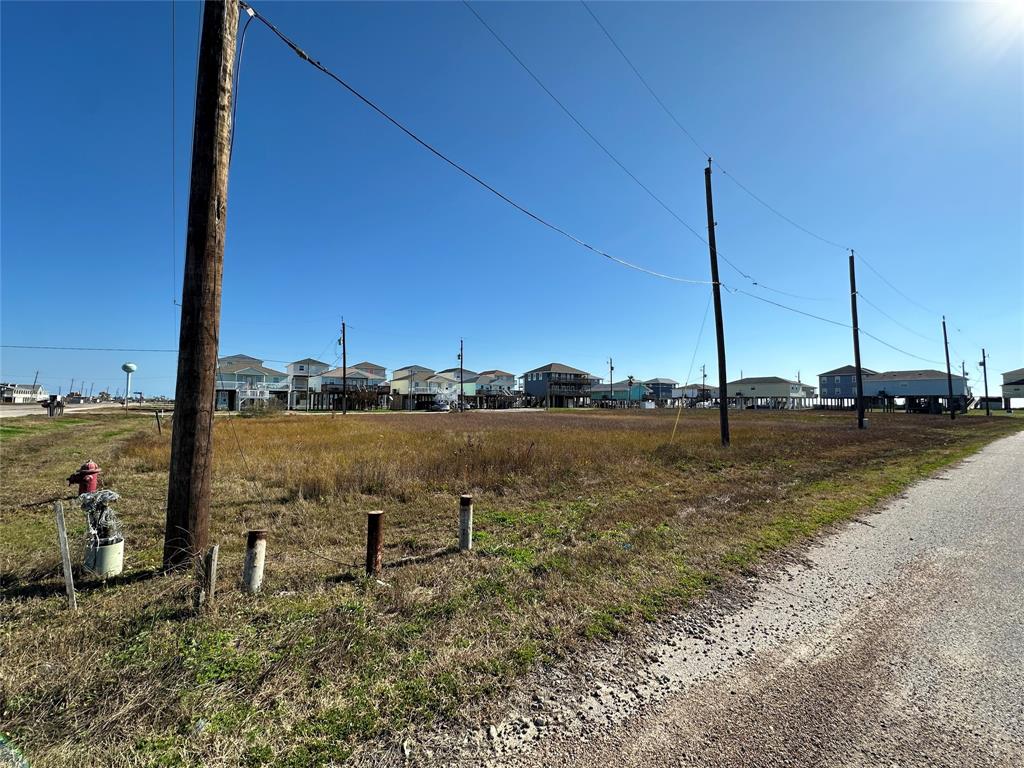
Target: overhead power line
882, 312
832, 322
672, 116
455, 164
650, 193
885, 280
83, 349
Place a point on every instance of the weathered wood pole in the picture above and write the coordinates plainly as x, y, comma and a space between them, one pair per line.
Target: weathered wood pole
374, 542
255, 556
716, 290
65, 556
465, 522
856, 343
188, 486
207, 588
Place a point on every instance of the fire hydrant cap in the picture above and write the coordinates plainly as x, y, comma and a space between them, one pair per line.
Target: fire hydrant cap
89, 468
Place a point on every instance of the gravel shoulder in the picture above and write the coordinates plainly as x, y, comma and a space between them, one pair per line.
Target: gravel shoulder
897, 640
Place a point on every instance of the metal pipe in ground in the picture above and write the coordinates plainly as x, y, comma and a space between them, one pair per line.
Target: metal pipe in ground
255, 556
465, 522
374, 542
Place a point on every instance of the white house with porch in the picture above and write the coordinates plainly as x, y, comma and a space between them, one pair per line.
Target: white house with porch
300, 374
245, 382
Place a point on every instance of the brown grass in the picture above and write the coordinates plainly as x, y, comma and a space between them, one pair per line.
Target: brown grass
585, 521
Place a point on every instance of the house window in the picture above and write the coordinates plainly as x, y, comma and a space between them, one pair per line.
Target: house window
302, 367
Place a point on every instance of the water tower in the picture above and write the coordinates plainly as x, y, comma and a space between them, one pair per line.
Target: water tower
129, 369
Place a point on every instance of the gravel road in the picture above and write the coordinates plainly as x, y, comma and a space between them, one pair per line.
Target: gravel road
897, 641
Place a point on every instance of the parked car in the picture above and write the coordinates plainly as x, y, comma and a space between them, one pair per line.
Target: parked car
441, 407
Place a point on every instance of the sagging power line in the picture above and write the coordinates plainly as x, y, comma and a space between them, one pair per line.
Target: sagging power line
316, 64
706, 153
597, 142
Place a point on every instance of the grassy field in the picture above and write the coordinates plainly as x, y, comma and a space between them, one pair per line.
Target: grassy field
586, 522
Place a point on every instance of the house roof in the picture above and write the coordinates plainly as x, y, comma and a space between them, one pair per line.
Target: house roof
414, 368
465, 371
366, 364
762, 380
557, 368
848, 369
352, 373
1014, 377
422, 375
238, 363
926, 373
496, 372
673, 382
308, 360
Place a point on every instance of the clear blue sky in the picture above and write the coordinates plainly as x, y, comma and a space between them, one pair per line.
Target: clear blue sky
894, 128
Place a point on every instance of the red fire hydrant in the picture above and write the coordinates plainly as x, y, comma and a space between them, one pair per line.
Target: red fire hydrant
87, 477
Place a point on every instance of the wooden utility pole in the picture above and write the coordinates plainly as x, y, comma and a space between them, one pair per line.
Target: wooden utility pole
856, 344
716, 287
949, 372
611, 382
188, 485
984, 370
344, 371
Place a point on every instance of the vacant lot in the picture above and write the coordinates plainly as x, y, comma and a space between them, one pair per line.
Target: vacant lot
585, 521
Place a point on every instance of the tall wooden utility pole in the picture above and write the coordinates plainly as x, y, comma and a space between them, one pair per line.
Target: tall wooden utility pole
344, 371
856, 344
949, 373
723, 401
188, 485
984, 370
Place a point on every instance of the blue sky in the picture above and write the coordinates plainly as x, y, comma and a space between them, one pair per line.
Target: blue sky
893, 128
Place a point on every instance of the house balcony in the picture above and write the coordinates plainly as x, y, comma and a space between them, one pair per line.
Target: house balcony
570, 390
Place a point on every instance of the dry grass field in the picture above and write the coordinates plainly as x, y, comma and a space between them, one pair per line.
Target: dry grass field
586, 522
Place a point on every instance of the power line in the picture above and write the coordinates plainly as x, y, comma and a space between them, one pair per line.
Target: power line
690, 136
730, 176
609, 153
174, 164
693, 359
454, 164
784, 306
902, 351
831, 322
234, 86
83, 349
647, 85
883, 278
882, 312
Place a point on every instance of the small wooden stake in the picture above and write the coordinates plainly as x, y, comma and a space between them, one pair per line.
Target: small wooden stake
65, 555
206, 589
465, 522
159, 429
255, 556
374, 542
